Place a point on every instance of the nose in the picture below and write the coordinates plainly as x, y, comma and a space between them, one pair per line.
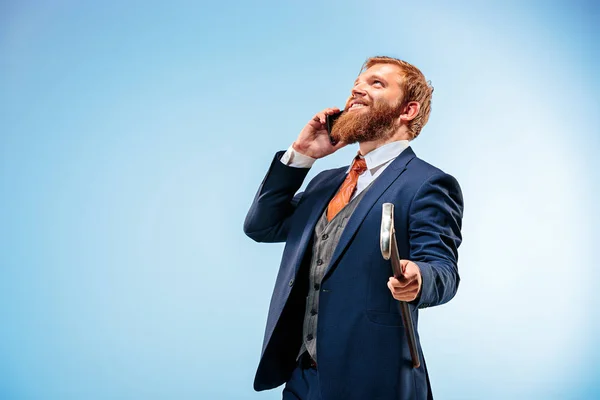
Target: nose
358, 90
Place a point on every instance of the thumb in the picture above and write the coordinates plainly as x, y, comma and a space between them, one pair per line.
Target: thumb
403, 264
339, 145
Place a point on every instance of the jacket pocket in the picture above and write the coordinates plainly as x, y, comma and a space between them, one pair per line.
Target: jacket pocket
384, 318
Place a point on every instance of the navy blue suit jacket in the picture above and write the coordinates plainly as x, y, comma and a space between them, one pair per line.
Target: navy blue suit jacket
361, 344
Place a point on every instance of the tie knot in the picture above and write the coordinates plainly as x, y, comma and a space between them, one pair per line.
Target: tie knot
359, 165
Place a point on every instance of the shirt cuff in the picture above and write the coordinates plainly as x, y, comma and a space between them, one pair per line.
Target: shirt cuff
292, 158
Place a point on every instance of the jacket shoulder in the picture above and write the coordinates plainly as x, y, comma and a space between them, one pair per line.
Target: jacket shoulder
424, 170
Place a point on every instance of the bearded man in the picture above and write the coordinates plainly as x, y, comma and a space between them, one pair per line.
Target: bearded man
333, 329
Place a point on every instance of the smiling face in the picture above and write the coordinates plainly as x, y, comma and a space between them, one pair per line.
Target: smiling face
381, 82
374, 106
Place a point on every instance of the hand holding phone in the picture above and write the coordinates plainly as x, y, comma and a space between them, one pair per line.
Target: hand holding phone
314, 139
330, 121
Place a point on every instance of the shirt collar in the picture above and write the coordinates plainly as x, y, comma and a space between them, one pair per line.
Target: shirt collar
383, 154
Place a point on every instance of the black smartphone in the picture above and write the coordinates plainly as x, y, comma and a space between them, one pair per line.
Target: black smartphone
330, 121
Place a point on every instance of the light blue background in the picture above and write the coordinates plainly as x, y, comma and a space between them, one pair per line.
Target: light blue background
133, 136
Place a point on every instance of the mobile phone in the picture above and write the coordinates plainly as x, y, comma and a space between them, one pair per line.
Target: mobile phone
330, 121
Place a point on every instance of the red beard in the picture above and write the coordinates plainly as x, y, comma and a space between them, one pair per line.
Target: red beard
377, 123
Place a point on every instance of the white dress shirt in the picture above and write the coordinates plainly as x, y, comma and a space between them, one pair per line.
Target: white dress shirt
377, 161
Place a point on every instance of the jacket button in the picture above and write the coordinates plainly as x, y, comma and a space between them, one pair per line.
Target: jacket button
291, 283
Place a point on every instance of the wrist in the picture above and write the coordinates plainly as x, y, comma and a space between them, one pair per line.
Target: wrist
302, 149
294, 158
299, 148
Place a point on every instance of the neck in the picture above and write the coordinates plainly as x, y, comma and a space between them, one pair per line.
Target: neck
367, 147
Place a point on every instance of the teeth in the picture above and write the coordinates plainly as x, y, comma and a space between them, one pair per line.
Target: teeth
357, 105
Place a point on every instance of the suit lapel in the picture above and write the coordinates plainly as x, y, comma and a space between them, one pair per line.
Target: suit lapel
320, 200
379, 186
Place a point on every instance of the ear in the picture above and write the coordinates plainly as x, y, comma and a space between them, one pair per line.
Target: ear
410, 111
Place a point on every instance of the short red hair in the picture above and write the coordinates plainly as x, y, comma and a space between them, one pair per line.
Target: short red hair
414, 88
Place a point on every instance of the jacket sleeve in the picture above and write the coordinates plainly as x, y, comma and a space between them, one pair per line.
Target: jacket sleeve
435, 220
270, 213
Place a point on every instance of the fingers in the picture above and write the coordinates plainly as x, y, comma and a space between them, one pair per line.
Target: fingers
400, 282
313, 138
403, 294
403, 264
403, 289
407, 286
321, 117
408, 296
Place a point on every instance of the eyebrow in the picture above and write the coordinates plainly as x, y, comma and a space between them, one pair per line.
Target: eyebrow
371, 77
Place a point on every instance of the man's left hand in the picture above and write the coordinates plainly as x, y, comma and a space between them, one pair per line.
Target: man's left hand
407, 286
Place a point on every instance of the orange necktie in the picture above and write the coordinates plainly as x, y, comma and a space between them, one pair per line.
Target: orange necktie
343, 196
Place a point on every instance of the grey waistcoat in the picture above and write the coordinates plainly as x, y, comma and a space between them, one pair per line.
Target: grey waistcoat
326, 237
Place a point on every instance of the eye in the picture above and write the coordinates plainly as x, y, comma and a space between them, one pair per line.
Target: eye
377, 82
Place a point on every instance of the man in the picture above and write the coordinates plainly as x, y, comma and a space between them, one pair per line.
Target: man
334, 330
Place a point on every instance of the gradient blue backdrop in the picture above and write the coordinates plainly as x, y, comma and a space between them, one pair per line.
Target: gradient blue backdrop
133, 136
